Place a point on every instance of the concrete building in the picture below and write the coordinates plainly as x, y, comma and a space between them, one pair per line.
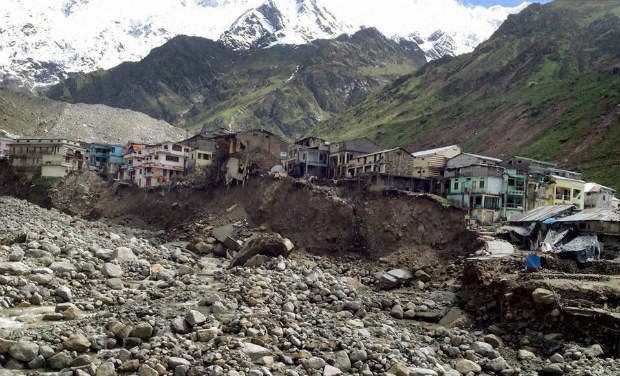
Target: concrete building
154, 165
538, 175
598, 196
259, 149
200, 159
308, 157
558, 190
514, 190
5, 147
395, 162
49, 158
477, 185
341, 153
104, 158
431, 163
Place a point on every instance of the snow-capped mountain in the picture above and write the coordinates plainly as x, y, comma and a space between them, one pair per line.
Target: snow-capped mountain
283, 21
41, 41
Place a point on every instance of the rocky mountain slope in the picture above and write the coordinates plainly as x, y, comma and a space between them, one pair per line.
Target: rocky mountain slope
198, 83
544, 85
25, 115
42, 41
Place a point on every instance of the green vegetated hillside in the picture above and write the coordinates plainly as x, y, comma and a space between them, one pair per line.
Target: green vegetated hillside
545, 85
198, 83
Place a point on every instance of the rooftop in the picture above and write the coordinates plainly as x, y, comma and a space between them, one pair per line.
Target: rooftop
423, 153
484, 157
541, 213
595, 187
597, 214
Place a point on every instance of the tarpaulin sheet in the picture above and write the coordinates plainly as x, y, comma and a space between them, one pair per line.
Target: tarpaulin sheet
584, 248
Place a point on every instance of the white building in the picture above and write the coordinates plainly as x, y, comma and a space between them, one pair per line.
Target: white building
598, 196
49, 158
155, 165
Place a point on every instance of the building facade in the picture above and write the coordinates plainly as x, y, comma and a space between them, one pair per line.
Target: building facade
598, 196
150, 166
49, 158
514, 191
308, 157
395, 162
5, 147
431, 163
476, 184
341, 153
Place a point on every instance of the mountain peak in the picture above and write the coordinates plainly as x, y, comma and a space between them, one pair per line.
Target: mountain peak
43, 41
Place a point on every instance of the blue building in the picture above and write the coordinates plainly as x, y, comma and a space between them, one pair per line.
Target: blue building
106, 159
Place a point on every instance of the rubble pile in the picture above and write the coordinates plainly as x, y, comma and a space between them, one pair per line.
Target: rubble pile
91, 298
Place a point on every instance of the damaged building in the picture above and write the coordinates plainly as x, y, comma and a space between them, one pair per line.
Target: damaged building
308, 157
341, 154
476, 183
48, 158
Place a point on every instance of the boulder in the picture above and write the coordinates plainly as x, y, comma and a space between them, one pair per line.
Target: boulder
112, 270
465, 366
77, 342
254, 351
24, 351
142, 330
272, 245
194, 318
543, 296
14, 268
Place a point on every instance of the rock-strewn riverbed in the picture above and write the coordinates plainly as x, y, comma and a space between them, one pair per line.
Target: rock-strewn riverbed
90, 298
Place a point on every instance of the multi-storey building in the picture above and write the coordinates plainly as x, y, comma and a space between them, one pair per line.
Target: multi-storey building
5, 147
154, 165
341, 153
431, 163
477, 185
308, 157
50, 158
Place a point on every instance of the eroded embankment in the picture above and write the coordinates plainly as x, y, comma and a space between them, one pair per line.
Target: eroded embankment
328, 221
322, 220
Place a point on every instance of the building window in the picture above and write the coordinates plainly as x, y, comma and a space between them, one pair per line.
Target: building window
481, 184
177, 148
478, 202
456, 185
172, 158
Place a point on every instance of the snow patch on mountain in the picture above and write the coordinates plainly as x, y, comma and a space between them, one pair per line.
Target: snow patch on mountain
42, 41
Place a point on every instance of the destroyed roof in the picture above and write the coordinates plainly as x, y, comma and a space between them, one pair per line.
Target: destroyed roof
595, 188
541, 213
597, 214
422, 153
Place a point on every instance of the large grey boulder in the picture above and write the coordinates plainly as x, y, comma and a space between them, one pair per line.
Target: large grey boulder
24, 351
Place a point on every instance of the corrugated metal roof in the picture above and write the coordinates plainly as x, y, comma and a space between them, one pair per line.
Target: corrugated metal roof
484, 157
432, 151
599, 214
541, 213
